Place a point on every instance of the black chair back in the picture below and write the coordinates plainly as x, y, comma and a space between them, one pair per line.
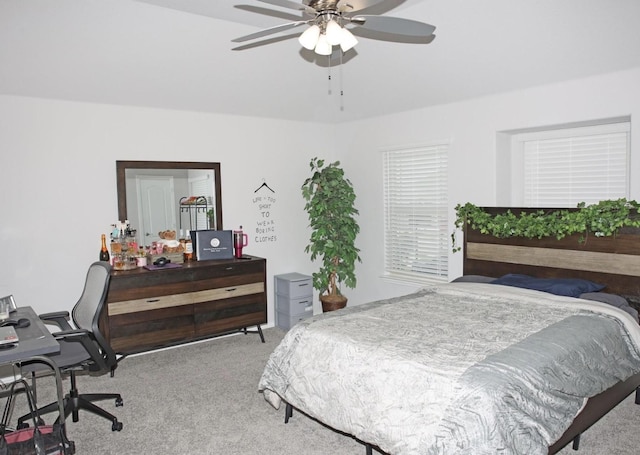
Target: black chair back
86, 312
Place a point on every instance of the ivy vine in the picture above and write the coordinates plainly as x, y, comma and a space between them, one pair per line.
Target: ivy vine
602, 219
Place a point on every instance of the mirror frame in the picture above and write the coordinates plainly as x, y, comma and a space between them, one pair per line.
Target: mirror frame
122, 166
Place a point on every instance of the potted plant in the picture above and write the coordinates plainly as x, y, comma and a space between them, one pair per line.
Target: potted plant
330, 198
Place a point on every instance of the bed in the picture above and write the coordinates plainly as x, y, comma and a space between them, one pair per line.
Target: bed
474, 367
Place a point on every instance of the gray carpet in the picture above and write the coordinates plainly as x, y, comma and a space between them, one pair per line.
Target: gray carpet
203, 399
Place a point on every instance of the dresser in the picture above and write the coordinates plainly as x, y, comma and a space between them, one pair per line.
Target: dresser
153, 309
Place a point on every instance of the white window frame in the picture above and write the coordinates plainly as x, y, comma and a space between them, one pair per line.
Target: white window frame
416, 209
591, 161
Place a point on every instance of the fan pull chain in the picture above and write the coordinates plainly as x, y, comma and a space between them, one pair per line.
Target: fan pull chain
329, 69
341, 85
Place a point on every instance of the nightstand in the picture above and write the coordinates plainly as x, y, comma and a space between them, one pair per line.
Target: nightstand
294, 299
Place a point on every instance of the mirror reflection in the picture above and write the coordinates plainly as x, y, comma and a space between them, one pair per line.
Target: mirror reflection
168, 196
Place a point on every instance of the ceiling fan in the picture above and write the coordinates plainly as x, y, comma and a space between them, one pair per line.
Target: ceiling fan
331, 20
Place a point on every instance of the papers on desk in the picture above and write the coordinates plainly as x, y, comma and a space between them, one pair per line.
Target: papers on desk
8, 337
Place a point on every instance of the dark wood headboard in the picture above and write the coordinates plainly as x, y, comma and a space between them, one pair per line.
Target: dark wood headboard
613, 261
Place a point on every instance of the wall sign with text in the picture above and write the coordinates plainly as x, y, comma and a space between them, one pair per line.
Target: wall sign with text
264, 202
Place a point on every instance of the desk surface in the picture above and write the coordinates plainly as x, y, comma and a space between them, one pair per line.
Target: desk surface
35, 340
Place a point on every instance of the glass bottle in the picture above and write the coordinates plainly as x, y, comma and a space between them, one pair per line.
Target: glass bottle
104, 252
188, 247
183, 242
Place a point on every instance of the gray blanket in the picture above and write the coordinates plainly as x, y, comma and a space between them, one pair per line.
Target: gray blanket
454, 369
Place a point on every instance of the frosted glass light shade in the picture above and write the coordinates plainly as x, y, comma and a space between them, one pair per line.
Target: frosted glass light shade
309, 38
348, 40
334, 33
323, 47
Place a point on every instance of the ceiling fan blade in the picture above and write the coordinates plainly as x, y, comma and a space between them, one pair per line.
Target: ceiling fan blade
269, 31
394, 25
273, 39
347, 6
269, 12
285, 4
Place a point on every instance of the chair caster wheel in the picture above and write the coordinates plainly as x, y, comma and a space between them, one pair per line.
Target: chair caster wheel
116, 426
119, 402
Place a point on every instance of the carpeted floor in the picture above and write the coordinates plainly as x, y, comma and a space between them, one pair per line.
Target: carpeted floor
203, 399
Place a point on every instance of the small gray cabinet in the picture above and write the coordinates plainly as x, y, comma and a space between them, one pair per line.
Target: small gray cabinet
294, 299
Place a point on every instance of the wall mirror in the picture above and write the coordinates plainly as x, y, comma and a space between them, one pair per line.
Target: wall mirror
156, 196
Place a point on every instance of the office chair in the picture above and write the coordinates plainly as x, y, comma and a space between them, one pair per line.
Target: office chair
82, 349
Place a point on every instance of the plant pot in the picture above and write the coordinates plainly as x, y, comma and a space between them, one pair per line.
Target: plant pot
333, 302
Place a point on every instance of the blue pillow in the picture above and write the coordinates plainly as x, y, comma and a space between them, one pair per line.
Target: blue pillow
571, 287
611, 299
473, 279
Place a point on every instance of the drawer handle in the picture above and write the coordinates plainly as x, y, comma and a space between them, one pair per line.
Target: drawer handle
302, 302
303, 284
153, 300
231, 289
229, 268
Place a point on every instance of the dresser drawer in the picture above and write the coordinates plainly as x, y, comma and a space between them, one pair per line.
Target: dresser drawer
285, 321
148, 304
220, 316
292, 307
135, 332
293, 285
188, 298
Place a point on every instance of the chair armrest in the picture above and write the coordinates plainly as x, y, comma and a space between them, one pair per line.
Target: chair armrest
54, 315
59, 318
69, 334
87, 339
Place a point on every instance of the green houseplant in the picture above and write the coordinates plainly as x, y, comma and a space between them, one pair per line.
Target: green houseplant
602, 219
330, 199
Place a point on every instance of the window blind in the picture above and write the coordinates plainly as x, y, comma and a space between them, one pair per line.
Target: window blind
416, 212
565, 167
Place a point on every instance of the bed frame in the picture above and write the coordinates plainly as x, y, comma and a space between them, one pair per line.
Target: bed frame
614, 261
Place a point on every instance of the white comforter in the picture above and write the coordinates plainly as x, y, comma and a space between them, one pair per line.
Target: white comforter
462, 368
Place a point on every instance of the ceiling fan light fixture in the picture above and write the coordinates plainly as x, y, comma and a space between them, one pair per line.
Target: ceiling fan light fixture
347, 41
309, 39
323, 47
330, 23
333, 32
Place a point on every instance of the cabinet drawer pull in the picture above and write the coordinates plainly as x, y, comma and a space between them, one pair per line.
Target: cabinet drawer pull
231, 289
153, 300
229, 268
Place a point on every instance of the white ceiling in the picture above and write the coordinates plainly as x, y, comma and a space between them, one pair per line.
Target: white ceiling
142, 53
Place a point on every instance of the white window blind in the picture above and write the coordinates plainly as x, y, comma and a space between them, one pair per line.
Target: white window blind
416, 212
565, 167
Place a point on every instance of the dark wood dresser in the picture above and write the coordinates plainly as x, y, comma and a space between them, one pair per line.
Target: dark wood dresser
152, 309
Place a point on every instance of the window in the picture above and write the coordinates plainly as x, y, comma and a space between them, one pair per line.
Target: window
200, 185
562, 167
416, 212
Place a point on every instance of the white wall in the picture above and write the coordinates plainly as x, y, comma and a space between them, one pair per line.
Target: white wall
58, 184
57, 179
471, 126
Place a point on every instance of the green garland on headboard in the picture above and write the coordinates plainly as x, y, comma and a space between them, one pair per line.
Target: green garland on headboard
602, 220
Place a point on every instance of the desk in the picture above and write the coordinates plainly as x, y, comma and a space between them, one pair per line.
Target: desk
34, 344
35, 340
